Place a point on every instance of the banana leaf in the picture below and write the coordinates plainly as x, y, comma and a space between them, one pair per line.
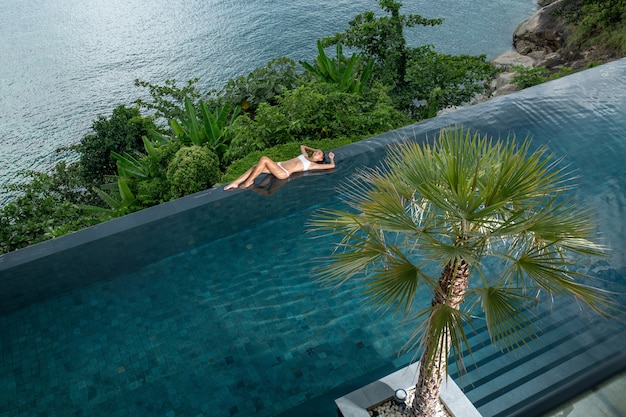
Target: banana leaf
129, 166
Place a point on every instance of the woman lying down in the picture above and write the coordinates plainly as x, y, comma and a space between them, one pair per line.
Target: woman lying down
310, 159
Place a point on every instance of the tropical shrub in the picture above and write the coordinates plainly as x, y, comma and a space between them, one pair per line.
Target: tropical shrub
147, 174
415, 75
153, 191
209, 131
118, 196
263, 85
193, 168
246, 136
438, 81
381, 38
315, 111
167, 100
120, 133
46, 206
527, 77
349, 75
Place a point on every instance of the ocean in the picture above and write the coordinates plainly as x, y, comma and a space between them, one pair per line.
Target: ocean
63, 63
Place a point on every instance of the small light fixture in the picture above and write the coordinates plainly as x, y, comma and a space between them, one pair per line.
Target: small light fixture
399, 397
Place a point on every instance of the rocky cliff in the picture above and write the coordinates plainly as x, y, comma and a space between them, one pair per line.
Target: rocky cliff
541, 40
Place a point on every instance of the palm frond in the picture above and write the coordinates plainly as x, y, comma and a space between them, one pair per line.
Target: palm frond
334, 221
443, 252
397, 284
552, 271
356, 254
386, 209
507, 316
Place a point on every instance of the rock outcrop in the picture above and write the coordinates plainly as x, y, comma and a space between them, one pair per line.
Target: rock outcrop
541, 40
538, 41
543, 33
503, 82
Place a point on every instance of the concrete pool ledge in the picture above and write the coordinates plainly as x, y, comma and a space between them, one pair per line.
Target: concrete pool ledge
356, 403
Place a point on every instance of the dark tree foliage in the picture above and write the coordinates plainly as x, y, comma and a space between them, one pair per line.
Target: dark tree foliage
46, 206
382, 39
421, 81
442, 80
120, 133
263, 85
167, 100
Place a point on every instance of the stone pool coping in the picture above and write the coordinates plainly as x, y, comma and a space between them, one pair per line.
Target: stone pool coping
356, 403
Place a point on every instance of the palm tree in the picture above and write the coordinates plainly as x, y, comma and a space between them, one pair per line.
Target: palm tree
467, 206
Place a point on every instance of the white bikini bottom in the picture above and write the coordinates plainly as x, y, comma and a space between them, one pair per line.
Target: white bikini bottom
281, 167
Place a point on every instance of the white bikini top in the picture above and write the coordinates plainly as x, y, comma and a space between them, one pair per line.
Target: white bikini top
305, 162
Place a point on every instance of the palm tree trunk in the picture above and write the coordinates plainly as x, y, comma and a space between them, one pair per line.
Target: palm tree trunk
452, 286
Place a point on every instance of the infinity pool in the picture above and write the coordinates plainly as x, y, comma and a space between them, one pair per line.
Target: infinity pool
206, 306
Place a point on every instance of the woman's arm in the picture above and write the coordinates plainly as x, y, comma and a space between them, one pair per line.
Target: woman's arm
306, 149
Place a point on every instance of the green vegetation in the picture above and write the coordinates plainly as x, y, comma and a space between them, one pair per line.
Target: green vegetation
180, 140
597, 27
527, 77
421, 81
597, 23
466, 207
194, 168
46, 207
349, 75
122, 132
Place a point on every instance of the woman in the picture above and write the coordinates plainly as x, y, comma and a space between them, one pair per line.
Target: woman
310, 159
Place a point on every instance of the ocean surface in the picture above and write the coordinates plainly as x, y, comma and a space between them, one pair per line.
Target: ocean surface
65, 62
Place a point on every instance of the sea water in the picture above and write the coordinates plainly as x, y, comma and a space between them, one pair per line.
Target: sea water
63, 63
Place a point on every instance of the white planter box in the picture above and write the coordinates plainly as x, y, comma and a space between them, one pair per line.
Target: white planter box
356, 403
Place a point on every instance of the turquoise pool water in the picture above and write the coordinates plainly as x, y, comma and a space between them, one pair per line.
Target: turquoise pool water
207, 306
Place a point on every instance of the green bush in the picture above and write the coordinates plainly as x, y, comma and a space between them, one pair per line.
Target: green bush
527, 77
597, 23
153, 191
244, 138
262, 85
167, 100
441, 80
156, 189
193, 169
316, 111
120, 133
46, 206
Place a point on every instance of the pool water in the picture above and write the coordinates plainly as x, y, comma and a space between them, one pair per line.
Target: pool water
215, 311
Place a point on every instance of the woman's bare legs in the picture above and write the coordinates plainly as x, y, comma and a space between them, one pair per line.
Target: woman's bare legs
265, 166
239, 180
